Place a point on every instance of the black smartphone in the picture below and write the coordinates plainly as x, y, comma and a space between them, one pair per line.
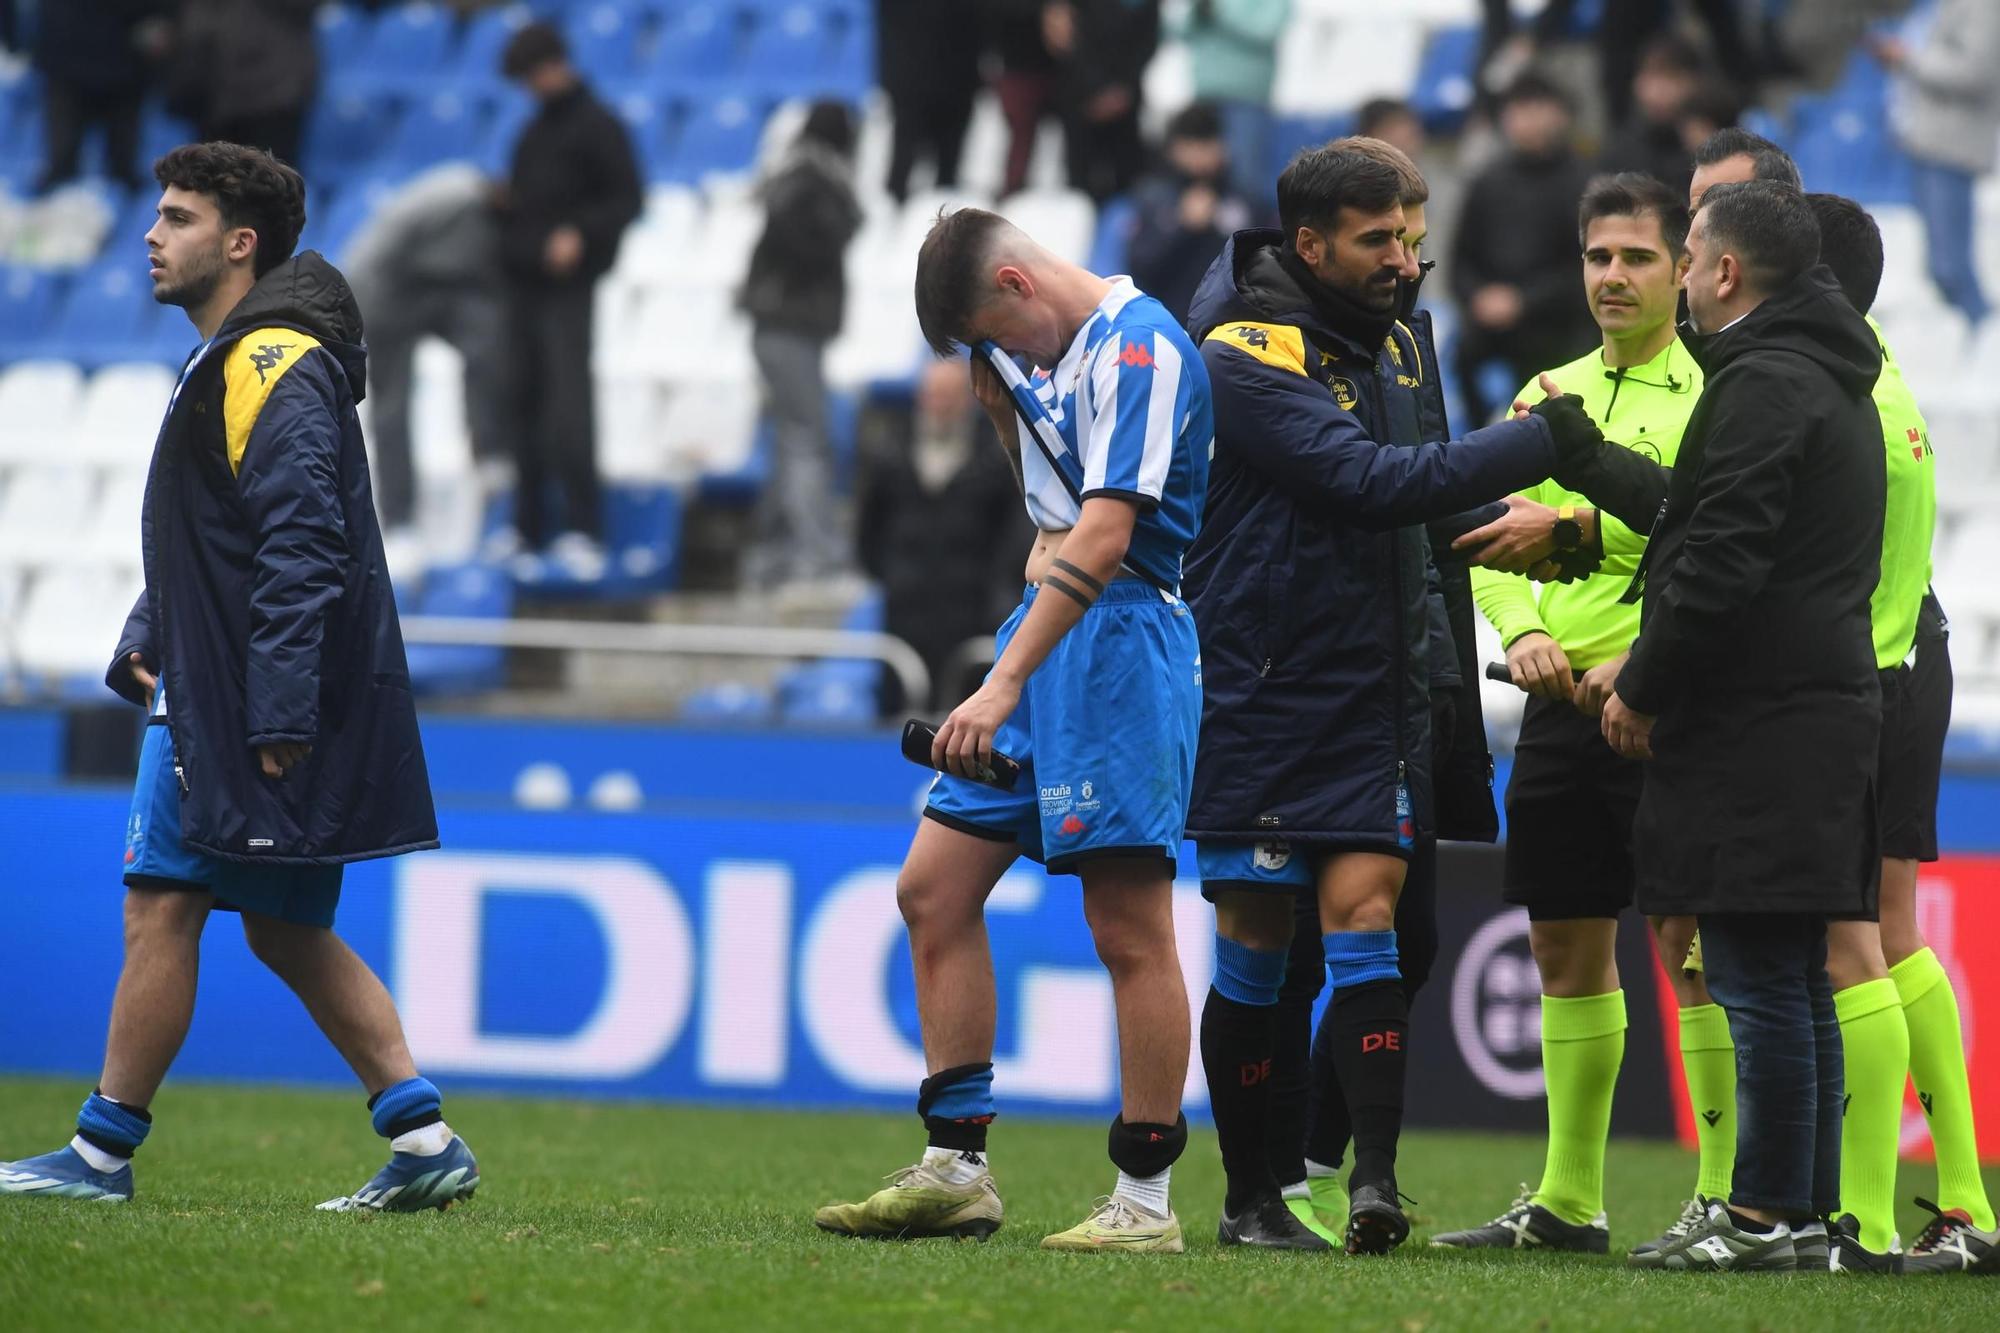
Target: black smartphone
918, 737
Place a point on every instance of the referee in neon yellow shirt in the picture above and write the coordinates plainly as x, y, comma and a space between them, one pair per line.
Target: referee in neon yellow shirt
1571, 799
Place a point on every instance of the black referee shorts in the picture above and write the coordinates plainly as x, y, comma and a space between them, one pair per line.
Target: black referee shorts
1570, 804
1916, 713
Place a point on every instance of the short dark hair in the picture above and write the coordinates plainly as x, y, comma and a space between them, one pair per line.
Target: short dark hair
1415, 189
1196, 120
830, 123
1851, 245
1670, 50
1534, 86
1768, 161
1379, 111
535, 45
1768, 226
1634, 194
951, 276
1320, 182
250, 187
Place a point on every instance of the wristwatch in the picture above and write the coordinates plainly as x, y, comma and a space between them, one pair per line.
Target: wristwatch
1567, 533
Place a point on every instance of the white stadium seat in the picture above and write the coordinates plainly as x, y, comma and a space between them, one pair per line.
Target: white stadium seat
44, 507
70, 620
120, 413
1063, 221
38, 407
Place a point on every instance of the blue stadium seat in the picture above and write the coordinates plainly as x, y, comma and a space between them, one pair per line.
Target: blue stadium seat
159, 133
346, 134
459, 590
696, 43
1291, 133
477, 63
444, 127
343, 38
836, 692
109, 315
494, 153
718, 135
1444, 88
411, 39
642, 534
733, 702
29, 298
1115, 221
604, 40
791, 47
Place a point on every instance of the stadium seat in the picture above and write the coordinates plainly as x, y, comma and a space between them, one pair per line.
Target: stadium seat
407, 46
111, 536
1063, 221
39, 400
462, 590
119, 414
840, 692
477, 62
709, 428
344, 33
443, 127
347, 132
732, 701
791, 47
67, 620
604, 40
28, 301
696, 43
45, 506
717, 136
1443, 91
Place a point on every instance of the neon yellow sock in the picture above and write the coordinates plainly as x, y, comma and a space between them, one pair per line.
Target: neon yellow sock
1583, 1043
1708, 1057
1937, 1064
1875, 1047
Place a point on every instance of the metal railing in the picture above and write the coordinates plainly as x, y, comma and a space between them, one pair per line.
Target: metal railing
677, 640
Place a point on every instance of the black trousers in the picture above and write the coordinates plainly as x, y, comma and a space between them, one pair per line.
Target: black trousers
1104, 156
932, 127
554, 409
473, 320
68, 111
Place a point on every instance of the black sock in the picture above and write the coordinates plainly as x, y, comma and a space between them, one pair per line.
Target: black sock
1291, 1056
1370, 1053
1236, 1044
1327, 1125
1751, 1224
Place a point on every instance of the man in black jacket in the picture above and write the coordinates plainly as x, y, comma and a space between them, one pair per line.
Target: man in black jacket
282, 741
1752, 688
1309, 586
1101, 49
573, 190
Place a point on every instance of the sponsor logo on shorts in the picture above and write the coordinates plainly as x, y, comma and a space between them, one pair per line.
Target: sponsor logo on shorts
1057, 799
1087, 794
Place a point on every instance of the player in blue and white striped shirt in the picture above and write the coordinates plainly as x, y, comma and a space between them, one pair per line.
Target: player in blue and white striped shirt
1096, 693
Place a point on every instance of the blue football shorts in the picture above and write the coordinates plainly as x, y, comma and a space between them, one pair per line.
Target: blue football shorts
1105, 734
304, 895
1275, 867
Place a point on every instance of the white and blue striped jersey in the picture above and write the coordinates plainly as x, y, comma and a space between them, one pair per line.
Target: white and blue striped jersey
1126, 412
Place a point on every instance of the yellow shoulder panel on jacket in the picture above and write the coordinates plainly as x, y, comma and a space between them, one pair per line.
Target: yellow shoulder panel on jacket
1280, 345
252, 369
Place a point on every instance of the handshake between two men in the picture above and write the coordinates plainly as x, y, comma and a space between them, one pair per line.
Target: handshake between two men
1564, 544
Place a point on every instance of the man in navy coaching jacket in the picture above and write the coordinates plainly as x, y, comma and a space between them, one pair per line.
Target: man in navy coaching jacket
283, 741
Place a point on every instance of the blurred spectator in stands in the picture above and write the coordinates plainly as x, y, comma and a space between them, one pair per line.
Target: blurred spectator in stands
572, 190
1185, 210
942, 529
927, 61
1234, 47
1514, 255
95, 58
796, 297
1394, 122
1507, 48
1102, 48
1669, 74
1024, 79
246, 70
1710, 109
1946, 112
428, 263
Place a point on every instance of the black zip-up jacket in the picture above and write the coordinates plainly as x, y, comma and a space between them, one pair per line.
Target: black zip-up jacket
1308, 580
573, 166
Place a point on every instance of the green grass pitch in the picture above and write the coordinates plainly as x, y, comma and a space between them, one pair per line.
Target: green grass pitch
613, 1216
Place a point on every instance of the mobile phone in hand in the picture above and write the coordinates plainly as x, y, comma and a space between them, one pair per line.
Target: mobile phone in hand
918, 737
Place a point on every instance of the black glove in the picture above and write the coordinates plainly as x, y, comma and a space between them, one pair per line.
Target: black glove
1576, 436
1578, 564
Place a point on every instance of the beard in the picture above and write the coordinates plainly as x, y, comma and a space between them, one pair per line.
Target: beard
1379, 297
193, 281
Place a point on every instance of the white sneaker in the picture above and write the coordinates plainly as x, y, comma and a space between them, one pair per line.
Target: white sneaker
578, 556
1119, 1224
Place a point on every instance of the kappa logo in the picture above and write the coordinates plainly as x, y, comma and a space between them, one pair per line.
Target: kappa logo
1072, 826
1136, 355
1343, 392
267, 357
1254, 337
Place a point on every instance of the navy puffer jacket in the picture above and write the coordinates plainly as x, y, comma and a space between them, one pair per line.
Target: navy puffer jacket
1308, 578
268, 614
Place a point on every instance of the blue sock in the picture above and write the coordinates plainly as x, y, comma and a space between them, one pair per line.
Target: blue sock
1357, 957
957, 1105
1247, 975
402, 1107
969, 1098
117, 1129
